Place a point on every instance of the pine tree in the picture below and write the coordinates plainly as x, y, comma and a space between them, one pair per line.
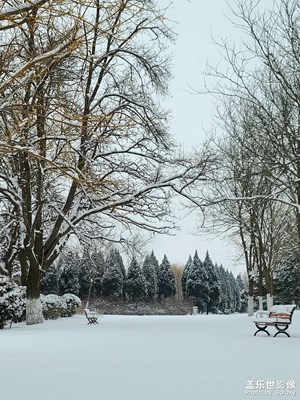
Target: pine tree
287, 281
113, 281
185, 273
84, 276
154, 261
235, 293
135, 283
99, 264
69, 276
50, 281
197, 284
243, 295
120, 263
230, 293
165, 280
213, 284
224, 304
149, 271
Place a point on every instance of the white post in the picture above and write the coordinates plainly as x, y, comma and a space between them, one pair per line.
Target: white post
195, 310
250, 306
260, 303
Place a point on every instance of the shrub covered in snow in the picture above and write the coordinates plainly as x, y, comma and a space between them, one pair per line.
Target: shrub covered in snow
72, 302
52, 306
12, 301
59, 306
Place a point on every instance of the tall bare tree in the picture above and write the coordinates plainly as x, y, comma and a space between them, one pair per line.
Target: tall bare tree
259, 93
177, 271
261, 227
84, 143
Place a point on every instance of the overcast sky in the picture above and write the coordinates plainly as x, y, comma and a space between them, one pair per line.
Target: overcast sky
196, 21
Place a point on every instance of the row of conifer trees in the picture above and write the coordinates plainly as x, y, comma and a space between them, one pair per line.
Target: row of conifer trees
107, 276
212, 288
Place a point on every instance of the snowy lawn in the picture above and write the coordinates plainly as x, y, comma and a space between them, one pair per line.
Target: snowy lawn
148, 358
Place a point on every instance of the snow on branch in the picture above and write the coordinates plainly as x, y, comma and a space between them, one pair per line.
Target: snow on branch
12, 11
112, 203
66, 46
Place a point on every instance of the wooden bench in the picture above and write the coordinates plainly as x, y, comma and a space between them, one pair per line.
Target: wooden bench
280, 316
91, 316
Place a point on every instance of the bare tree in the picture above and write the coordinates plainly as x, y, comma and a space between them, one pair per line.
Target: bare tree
242, 202
84, 140
177, 271
259, 93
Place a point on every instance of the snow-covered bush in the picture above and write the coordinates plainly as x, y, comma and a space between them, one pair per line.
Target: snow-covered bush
59, 306
12, 301
71, 302
17, 302
53, 306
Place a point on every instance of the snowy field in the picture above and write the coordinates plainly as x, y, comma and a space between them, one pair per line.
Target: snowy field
149, 358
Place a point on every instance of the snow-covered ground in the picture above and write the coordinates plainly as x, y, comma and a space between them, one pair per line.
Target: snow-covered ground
149, 358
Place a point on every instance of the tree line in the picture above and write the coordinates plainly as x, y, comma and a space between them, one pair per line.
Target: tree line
213, 289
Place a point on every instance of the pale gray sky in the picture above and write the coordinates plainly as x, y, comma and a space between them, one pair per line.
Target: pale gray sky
196, 21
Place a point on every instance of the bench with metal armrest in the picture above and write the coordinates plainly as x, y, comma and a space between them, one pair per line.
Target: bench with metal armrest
279, 316
91, 316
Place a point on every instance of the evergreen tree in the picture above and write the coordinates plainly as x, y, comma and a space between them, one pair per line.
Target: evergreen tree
69, 276
154, 262
149, 271
165, 280
135, 283
287, 281
243, 295
113, 281
197, 284
99, 264
224, 301
84, 276
120, 262
50, 281
185, 273
213, 284
236, 301
230, 293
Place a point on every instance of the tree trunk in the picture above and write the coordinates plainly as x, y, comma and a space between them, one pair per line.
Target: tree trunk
269, 301
298, 193
269, 287
90, 293
24, 267
34, 313
251, 297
